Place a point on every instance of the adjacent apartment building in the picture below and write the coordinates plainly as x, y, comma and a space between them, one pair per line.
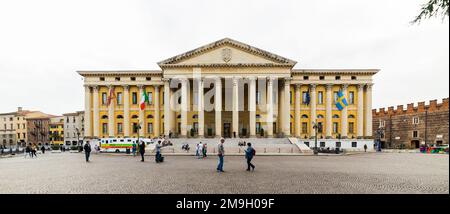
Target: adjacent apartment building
73, 128
13, 128
413, 126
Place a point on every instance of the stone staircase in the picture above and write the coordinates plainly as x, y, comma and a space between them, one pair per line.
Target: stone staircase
261, 145
301, 146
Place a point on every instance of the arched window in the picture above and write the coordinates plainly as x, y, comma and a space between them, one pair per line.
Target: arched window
258, 116
335, 116
119, 116
105, 117
319, 116
134, 117
292, 116
179, 116
195, 116
351, 116
304, 116
149, 116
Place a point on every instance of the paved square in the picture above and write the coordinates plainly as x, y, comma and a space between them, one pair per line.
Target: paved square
362, 173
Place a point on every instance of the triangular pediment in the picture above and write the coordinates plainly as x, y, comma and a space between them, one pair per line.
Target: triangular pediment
227, 52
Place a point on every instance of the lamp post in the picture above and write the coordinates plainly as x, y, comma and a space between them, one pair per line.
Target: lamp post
315, 126
138, 128
80, 147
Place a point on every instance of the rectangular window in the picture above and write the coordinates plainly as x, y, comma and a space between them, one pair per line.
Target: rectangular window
104, 98
134, 98
351, 127
320, 98
23, 134
338, 77
18, 126
150, 98
119, 128
382, 123
351, 98
354, 144
335, 127
320, 127
305, 77
335, 96
321, 77
415, 134
119, 98
304, 96
415, 120
149, 128
258, 128
258, 97
338, 144
304, 127
322, 144
18, 135
353, 77
104, 128
135, 128
307, 144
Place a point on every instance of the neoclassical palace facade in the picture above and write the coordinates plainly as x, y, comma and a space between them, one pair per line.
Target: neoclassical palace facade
229, 89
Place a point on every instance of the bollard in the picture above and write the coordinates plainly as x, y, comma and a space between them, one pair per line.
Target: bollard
265, 150
279, 150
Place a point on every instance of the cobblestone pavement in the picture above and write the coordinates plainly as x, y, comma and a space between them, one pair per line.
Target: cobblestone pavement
362, 173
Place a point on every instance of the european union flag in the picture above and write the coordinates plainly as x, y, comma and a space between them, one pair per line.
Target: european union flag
341, 102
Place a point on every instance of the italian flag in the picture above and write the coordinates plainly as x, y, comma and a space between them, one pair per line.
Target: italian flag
144, 99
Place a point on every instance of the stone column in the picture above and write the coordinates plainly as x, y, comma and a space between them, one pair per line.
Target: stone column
252, 106
344, 115
201, 113
235, 107
96, 112
360, 122
287, 108
218, 106
167, 109
184, 107
313, 104
126, 110
297, 110
87, 111
141, 114
368, 110
111, 115
329, 112
157, 112
270, 107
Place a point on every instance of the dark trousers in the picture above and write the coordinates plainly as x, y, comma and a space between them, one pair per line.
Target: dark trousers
87, 154
249, 163
142, 156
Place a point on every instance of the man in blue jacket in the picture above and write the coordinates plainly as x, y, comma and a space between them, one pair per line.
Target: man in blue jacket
249, 154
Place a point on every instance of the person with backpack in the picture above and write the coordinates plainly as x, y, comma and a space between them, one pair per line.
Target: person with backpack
43, 149
133, 149
249, 154
27, 151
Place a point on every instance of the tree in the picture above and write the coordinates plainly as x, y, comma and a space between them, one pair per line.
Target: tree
432, 9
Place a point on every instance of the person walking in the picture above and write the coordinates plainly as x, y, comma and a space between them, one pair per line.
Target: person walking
196, 150
220, 153
249, 154
87, 151
133, 149
205, 150
142, 150
200, 150
158, 156
365, 147
33, 151
27, 151
43, 149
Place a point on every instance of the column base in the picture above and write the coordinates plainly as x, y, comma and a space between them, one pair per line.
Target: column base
344, 137
360, 137
328, 137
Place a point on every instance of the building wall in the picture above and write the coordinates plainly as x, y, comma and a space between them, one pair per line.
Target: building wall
72, 122
399, 126
38, 131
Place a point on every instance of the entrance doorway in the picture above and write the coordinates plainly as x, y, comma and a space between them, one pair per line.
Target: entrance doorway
227, 130
415, 144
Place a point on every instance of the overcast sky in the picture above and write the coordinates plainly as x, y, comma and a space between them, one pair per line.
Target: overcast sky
43, 43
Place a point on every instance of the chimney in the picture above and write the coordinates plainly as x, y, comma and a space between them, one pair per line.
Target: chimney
421, 107
399, 109
19, 109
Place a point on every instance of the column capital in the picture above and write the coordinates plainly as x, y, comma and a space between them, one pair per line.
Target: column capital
251, 78
369, 85
110, 86
345, 86
156, 88
165, 79
298, 85
329, 86
313, 86
140, 86
361, 86
95, 88
126, 87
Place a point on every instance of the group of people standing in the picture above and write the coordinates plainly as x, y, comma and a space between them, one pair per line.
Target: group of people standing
250, 152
